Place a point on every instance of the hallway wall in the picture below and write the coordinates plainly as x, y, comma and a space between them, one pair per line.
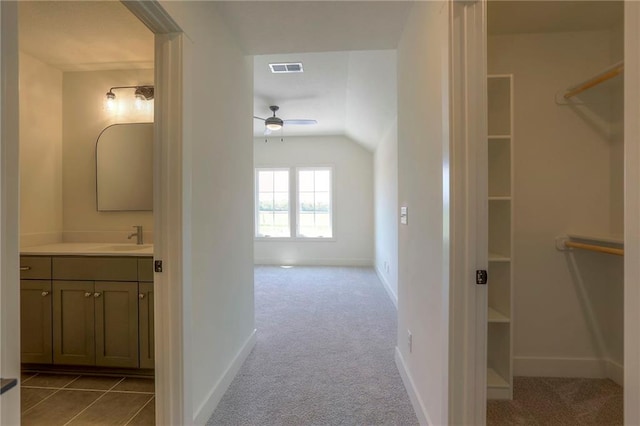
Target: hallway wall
385, 166
423, 261
217, 210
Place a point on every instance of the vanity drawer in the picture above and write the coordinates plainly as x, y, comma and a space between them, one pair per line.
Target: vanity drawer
95, 268
145, 269
35, 267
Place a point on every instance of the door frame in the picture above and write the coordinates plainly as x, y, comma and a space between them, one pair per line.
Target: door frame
170, 327
9, 211
168, 224
631, 213
469, 174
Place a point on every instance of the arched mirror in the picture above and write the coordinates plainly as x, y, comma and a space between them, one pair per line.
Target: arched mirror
124, 167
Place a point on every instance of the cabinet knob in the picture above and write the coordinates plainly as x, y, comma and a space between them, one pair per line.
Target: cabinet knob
96, 294
87, 294
141, 295
25, 268
45, 293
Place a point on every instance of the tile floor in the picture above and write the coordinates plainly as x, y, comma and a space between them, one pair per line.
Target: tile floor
69, 399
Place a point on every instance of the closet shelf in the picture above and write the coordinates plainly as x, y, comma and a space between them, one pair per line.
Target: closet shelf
494, 257
607, 74
495, 316
494, 380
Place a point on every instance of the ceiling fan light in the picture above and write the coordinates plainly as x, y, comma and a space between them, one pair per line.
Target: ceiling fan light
273, 123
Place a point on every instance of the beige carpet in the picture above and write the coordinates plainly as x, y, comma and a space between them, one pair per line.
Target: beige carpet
559, 401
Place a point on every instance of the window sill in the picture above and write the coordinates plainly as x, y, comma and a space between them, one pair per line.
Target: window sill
293, 239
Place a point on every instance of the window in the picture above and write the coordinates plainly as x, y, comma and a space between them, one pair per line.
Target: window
272, 199
312, 200
314, 203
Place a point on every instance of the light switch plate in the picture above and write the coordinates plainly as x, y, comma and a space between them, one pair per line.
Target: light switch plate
404, 215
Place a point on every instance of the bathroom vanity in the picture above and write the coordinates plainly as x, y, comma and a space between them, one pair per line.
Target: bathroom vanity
87, 305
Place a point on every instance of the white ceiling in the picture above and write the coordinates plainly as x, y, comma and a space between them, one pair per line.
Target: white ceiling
268, 27
349, 83
348, 93
84, 36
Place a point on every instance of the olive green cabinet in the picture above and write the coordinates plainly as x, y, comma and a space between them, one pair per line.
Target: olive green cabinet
95, 323
35, 321
87, 311
145, 312
73, 323
35, 309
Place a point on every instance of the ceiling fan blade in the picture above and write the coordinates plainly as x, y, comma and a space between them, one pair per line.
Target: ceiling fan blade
300, 122
259, 118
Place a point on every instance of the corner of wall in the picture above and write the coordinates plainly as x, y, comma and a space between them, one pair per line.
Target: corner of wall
414, 396
208, 406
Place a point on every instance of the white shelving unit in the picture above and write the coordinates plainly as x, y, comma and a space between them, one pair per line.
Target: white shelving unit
500, 328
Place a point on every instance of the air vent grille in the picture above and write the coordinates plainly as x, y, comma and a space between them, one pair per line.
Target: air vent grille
286, 67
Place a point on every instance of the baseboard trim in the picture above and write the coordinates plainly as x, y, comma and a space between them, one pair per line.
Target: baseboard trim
206, 409
559, 367
387, 287
315, 262
615, 371
418, 406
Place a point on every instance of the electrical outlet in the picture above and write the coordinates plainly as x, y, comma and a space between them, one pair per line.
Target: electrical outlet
410, 341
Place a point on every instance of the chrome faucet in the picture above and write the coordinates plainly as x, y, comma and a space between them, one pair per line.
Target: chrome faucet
137, 234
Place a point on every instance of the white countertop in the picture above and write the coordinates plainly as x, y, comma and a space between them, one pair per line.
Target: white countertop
89, 249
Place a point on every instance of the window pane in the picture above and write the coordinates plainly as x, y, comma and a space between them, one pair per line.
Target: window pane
314, 203
265, 181
273, 207
281, 181
323, 201
305, 180
265, 219
281, 201
323, 180
306, 220
265, 202
306, 201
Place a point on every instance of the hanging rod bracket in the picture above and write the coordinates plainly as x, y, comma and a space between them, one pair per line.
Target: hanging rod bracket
560, 243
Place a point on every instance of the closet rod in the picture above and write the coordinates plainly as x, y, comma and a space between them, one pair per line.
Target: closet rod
608, 74
592, 247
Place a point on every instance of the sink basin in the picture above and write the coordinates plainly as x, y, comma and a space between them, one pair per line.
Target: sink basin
122, 247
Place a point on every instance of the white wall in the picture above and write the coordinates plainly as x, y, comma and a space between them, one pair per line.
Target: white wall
568, 163
84, 117
423, 262
386, 210
218, 207
40, 152
352, 243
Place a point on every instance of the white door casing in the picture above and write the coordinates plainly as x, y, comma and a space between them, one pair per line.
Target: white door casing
632, 213
9, 202
469, 249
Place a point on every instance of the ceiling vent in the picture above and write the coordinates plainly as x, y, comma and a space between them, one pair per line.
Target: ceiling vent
286, 67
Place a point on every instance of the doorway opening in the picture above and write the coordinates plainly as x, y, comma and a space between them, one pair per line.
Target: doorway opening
86, 219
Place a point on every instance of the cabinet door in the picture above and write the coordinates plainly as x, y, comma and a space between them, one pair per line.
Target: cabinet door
35, 321
145, 303
116, 324
73, 323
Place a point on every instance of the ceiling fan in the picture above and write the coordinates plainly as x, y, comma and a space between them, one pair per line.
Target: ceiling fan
276, 123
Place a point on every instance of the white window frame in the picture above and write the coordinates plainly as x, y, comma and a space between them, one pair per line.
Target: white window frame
256, 205
331, 203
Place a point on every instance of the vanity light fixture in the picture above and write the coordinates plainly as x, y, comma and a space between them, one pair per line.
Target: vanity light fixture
142, 93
